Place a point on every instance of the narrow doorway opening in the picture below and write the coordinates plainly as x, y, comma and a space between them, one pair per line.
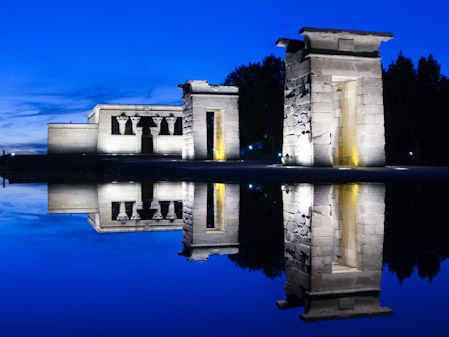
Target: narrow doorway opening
147, 144
215, 135
345, 96
215, 207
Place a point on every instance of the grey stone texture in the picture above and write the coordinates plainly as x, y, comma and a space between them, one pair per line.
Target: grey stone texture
333, 249
199, 97
96, 136
200, 241
97, 201
333, 107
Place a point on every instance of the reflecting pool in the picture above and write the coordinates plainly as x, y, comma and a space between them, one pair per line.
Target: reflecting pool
216, 259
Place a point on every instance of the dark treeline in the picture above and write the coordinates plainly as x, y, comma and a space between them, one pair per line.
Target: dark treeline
416, 231
416, 102
261, 107
261, 231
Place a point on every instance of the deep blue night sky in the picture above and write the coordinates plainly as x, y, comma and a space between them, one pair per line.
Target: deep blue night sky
58, 59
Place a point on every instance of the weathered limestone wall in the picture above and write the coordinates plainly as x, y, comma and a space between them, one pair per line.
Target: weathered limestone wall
97, 201
198, 98
200, 241
333, 249
132, 192
129, 144
297, 141
72, 138
333, 95
169, 144
63, 199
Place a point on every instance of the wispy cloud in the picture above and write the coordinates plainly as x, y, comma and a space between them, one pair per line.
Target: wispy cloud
24, 117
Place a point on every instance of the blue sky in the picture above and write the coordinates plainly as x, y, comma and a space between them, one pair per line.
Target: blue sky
58, 59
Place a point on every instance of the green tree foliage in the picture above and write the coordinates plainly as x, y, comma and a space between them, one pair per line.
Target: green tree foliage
416, 112
261, 108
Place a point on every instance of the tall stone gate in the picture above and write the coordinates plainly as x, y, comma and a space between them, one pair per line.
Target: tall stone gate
210, 121
333, 108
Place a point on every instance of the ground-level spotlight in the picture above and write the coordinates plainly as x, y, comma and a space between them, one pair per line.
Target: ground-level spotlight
250, 147
410, 153
279, 154
13, 154
250, 186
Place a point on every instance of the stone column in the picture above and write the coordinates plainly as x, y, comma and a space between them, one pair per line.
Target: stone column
157, 120
171, 215
171, 125
154, 133
135, 120
122, 123
135, 215
158, 215
122, 216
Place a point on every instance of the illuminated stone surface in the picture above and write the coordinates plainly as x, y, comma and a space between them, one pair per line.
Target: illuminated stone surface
135, 129
199, 98
218, 233
333, 238
333, 107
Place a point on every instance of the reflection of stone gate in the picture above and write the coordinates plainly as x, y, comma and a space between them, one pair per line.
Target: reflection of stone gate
333, 250
333, 99
211, 219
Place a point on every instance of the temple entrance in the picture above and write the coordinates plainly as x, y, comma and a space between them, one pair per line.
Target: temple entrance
344, 144
215, 135
147, 144
210, 134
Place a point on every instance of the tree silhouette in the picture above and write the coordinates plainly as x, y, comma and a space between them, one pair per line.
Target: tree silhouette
416, 103
416, 231
416, 112
261, 108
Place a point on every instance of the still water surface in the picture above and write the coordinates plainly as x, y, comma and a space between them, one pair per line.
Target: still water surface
196, 259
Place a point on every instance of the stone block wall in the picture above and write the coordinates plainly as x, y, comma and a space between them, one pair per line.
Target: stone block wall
127, 144
333, 249
72, 138
333, 99
198, 98
200, 241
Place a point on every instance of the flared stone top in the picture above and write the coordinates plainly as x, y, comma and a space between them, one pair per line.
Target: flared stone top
324, 41
203, 87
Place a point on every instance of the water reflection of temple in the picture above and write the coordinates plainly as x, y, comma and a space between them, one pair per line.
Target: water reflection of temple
211, 220
208, 214
121, 207
333, 250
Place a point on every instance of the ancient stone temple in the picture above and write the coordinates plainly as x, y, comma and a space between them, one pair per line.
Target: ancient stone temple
333, 239
208, 214
211, 220
333, 108
211, 121
205, 127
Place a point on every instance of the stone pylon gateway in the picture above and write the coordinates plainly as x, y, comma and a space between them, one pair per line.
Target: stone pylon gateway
210, 121
333, 107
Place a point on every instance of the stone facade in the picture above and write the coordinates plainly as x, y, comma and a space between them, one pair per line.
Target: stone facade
211, 220
121, 129
208, 214
158, 129
199, 98
121, 207
333, 107
333, 249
